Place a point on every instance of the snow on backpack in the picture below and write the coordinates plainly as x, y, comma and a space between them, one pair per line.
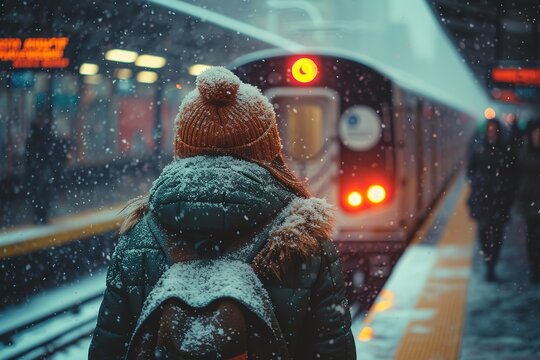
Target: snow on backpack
210, 308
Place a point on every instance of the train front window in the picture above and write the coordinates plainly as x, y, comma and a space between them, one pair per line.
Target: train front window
305, 121
303, 130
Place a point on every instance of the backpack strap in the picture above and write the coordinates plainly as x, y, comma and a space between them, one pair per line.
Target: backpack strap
238, 256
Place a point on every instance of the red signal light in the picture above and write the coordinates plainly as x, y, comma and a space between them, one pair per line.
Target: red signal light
376, 194
304, 70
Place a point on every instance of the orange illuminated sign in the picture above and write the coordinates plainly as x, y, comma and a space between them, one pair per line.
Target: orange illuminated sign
34, 52
516, 76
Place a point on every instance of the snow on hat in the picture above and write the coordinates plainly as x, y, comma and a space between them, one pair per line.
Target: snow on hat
225, 116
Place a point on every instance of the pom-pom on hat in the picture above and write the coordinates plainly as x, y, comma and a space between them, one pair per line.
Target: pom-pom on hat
225, 116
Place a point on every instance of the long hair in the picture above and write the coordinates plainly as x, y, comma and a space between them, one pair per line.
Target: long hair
279, 169
136, 208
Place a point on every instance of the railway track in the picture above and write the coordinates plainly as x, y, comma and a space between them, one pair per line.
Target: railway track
45, 335
40, 333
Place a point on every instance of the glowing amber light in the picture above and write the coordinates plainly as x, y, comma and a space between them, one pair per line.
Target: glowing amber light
304, 70
376, 194
489, 113
383, 304
354, 199
385, 301
366, 334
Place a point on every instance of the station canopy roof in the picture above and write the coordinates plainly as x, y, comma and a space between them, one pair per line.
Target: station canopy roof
404, 39
94, 27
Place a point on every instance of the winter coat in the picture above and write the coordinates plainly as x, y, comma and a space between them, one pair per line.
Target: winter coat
528, 194
225, 201
492, 175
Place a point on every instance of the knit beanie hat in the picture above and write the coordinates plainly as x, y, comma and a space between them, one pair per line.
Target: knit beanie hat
225, 116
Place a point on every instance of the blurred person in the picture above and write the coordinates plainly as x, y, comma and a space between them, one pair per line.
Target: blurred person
46, 156
228, 256
491, 173
40, 165
528, 194
515, 137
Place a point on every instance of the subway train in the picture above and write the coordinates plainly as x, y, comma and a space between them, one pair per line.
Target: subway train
373, 144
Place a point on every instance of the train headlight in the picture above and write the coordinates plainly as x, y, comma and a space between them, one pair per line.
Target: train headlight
354, 199
376, 194
304, 70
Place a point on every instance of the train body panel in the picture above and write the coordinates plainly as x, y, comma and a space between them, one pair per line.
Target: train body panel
350, 129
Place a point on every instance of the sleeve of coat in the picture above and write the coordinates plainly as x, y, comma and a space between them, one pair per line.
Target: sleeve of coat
115, 321
330, 320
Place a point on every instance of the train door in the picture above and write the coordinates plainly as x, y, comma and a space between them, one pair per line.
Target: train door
428, 154
420, 166
307, 124
405, 122
435, 148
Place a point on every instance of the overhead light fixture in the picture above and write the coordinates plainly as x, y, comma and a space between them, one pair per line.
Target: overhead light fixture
121, 55
123, 74
88, 69
197, 69
151, 61
490, 113
93, 79
147, 77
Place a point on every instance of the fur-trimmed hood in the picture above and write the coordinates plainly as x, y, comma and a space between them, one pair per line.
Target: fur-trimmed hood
297, 233
223, 199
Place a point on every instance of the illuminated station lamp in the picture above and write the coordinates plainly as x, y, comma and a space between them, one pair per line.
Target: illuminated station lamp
143, 60
88, 69
197, 69
147, 77
150, 61
120, 55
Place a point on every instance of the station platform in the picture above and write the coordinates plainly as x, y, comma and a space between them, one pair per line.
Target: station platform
437, 305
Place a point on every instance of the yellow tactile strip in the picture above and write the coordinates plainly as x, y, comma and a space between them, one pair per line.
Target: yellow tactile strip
61, 231
428, 223
444, 296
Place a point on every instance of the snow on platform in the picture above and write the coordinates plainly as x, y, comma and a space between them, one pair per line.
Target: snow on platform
503, 318
437, 304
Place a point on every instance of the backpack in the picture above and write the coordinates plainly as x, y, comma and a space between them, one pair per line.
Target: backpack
210, 307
